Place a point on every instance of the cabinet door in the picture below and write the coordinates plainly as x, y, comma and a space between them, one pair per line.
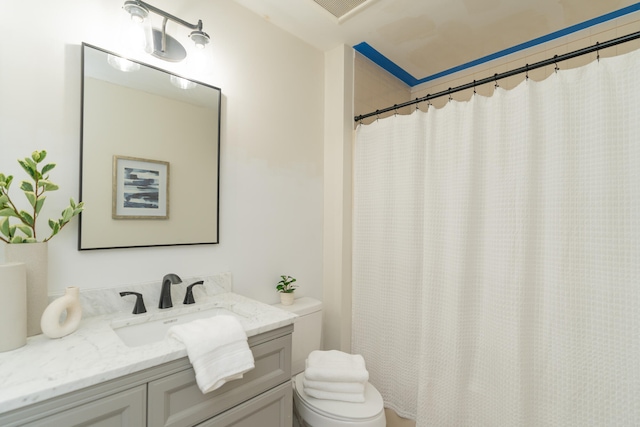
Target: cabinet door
124, 409
273, 408
176, 400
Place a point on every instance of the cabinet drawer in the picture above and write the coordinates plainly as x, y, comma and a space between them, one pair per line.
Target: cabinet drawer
273, 408
176, 400
122, 409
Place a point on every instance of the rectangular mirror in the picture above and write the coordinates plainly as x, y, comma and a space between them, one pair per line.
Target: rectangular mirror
150, 156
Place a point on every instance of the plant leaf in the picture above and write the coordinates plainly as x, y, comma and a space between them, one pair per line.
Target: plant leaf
26, 186
55, 228
25, 229
39, 155
47, 185
29, 167
31, 196
9, 212
26, 217
16, 239
4, 226
39, 204
67, 214
48, 167
8, 181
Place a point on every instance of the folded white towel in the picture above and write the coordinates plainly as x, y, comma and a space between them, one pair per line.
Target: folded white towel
330, 395
334, 386
337, 366
217, 349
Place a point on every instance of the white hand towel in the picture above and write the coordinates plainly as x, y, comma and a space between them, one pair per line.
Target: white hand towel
337, 366
334, 386
217, 349
329, 395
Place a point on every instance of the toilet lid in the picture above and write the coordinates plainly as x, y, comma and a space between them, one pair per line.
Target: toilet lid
370, 408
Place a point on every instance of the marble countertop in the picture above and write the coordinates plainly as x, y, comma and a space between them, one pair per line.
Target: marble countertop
46, 368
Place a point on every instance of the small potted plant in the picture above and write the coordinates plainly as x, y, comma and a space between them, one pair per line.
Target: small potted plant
286, 286
18, 229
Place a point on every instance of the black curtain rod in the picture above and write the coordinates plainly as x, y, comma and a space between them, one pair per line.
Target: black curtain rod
496, 77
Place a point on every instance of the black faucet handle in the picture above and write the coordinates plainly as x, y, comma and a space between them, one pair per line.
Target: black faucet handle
139, 308
188, 297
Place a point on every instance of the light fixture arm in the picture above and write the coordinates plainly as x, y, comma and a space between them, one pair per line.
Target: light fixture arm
168, 16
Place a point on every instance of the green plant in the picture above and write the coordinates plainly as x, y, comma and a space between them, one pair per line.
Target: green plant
35, 194
285, 285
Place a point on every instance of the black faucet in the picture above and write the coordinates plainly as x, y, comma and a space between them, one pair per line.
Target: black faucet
188, 297
165, 292
139, 307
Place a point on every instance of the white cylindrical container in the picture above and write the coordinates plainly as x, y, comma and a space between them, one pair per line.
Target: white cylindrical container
35, 257
13, 316
69, 302
286, 298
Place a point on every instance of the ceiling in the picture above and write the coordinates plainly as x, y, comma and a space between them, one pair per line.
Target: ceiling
417, 40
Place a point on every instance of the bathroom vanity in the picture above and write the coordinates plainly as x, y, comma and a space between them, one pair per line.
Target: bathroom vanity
92, 377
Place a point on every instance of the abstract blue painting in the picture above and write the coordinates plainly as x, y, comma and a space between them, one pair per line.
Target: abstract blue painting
140, 188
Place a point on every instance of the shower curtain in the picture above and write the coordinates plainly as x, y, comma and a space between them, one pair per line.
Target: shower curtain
496, 254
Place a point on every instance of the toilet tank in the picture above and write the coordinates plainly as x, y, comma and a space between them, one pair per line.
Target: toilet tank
307, 330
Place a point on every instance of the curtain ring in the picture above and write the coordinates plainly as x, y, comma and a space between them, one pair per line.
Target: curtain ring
417, 102
555, 63
450, 97
377, 115
495, 79
598, 52
474, 87
395, 108
526, 76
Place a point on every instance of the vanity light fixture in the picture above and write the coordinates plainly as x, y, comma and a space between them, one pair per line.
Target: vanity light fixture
164, 46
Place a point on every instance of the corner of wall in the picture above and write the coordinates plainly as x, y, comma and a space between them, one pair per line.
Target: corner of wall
339, 71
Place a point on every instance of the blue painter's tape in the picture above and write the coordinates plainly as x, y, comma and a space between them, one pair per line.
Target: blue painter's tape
385, 63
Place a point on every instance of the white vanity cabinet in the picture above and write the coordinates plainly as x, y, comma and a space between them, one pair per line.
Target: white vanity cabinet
167, 395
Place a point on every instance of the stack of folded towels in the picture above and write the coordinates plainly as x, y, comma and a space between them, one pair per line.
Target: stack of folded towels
335, 375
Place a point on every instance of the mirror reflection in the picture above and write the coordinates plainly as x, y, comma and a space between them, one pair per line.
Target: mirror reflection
150, 155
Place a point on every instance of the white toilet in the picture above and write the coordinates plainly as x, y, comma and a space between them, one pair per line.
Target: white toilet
312, 412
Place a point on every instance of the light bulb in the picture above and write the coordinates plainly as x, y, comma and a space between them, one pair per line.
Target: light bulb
137, 11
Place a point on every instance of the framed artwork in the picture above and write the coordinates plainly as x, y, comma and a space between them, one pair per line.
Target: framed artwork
140, 188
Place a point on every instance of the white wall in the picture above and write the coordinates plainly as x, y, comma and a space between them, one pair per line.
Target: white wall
271, 200
338, 167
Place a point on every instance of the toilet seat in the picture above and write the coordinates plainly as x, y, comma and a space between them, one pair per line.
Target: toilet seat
369, 411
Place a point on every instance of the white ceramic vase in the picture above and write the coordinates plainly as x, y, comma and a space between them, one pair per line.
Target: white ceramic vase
35, 257
51, 323
286, 298
13, 316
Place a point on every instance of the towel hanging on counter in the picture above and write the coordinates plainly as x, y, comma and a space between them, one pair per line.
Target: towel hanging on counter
217, 348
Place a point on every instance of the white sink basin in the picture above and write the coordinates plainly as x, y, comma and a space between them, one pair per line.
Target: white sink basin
148, 332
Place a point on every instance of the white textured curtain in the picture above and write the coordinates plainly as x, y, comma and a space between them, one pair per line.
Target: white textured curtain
496, 275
